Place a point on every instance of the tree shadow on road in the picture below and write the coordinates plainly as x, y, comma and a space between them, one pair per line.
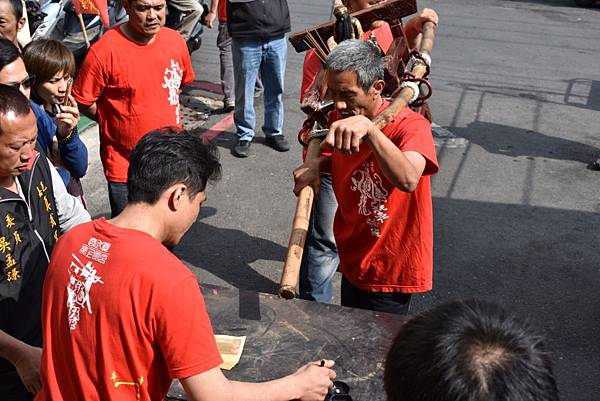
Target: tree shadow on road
227, 254
514, 142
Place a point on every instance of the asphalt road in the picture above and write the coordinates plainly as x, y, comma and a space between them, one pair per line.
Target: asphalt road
516, 208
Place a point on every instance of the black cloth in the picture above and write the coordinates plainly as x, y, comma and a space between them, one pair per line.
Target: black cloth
257, 19
25, 246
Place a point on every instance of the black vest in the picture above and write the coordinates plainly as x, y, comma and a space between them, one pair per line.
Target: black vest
258, 19
28, 231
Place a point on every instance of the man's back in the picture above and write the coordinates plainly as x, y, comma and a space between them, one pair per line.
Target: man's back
122, 316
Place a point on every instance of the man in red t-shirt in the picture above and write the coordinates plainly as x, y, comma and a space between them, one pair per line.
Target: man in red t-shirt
130, 83
122, 315
320, 259
383, 226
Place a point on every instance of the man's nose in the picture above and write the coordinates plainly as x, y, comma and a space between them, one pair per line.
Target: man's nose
28, 152
340, 105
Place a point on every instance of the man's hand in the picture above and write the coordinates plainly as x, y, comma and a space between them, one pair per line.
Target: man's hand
209, 19
28, 367
346, 135
314, 380
414, 26
68, 118
427, 15
308, 174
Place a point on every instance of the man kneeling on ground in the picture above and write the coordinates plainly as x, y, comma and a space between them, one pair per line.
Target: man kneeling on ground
123, 316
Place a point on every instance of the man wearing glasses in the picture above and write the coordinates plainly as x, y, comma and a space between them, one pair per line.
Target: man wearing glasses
73, 152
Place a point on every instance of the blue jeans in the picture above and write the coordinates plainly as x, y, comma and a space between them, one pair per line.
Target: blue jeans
250, 56
320, 258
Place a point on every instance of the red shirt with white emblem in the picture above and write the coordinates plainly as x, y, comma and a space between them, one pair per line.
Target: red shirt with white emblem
384, 235
121, 317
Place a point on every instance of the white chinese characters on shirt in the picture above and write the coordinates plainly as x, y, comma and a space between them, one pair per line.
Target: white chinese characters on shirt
173, 77
82, 276
373, 196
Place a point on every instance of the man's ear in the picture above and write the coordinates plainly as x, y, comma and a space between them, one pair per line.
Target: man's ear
378, 86
21, 24
176, 194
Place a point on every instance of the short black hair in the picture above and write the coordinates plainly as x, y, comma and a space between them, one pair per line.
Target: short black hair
8, 52
12, 100
17, 7
168, 156
468, 351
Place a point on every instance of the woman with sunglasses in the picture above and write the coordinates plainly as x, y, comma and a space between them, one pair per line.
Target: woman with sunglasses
53, 66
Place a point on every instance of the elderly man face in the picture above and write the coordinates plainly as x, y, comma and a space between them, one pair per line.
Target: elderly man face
145, 16
17, 143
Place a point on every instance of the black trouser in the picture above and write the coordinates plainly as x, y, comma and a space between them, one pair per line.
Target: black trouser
117, 196
12, 389
390, 302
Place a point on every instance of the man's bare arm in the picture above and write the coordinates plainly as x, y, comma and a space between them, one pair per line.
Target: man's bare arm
90, 110
310, 383
25, 358
402, 169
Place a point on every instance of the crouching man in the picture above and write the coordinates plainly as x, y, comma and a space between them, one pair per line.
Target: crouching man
383, 226
123, 316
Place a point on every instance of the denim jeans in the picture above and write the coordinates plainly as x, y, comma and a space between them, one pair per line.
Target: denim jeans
117, 196
390, 302
227, 82
320, 258
251, 56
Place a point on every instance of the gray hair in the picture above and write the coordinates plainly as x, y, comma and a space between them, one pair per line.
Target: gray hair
360, 57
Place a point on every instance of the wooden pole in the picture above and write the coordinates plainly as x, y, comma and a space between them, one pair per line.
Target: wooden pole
85, 35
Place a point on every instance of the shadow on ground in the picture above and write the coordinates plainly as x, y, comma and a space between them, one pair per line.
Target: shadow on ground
514, 142
556, 3
526, 258
232, 250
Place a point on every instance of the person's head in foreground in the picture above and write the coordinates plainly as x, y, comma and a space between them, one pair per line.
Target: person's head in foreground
168, 173
468, 351
355, 78
18, 133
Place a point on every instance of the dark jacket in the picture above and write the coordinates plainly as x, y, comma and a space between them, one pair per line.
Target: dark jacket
257, 19
28, 231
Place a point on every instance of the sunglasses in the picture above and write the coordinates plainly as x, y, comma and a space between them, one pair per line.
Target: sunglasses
27, 83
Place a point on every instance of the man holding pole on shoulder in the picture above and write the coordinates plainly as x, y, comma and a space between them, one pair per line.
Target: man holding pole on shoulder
320, 259
383, 226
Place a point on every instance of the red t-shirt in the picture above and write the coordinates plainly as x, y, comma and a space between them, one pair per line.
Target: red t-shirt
136, 89
385, 236
222, 10
121, 316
